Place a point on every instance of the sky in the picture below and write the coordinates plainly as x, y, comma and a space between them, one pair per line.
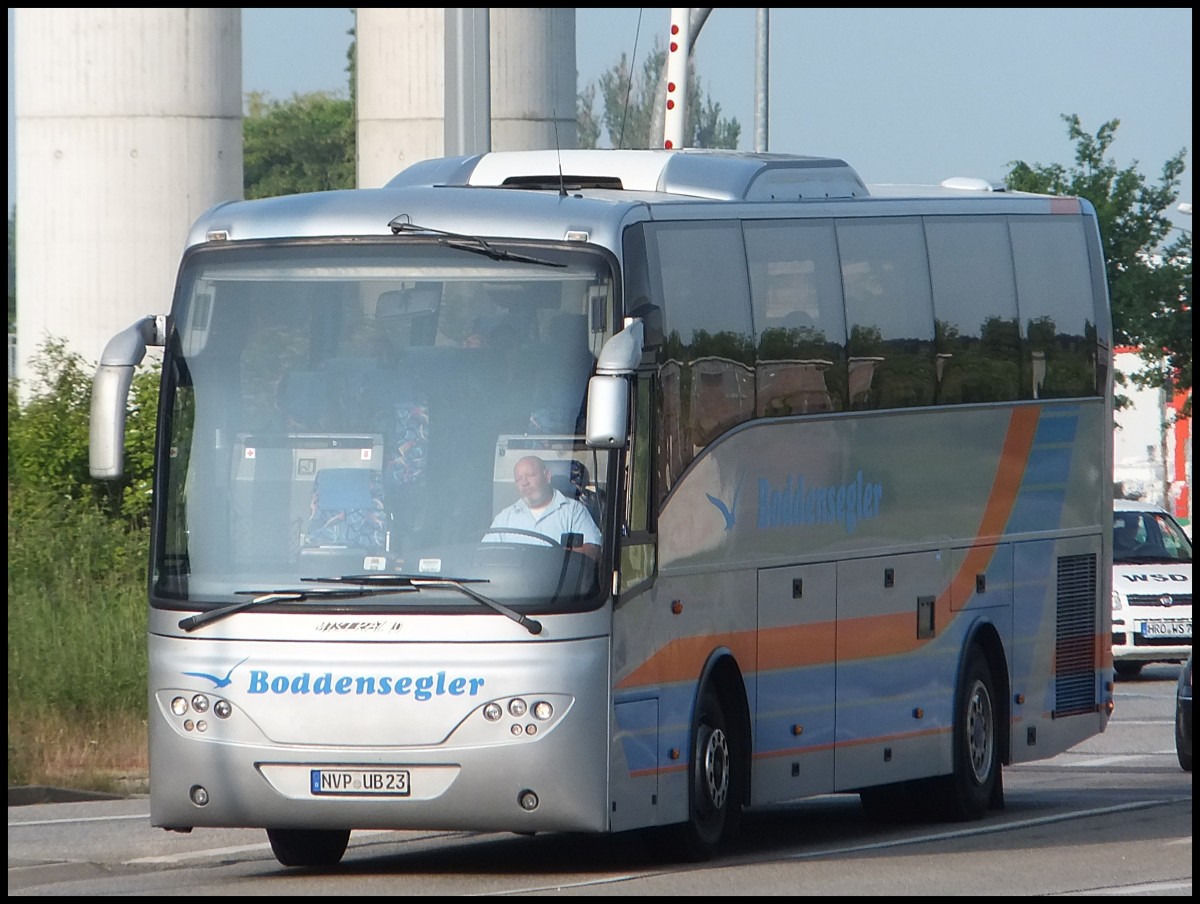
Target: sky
902, 95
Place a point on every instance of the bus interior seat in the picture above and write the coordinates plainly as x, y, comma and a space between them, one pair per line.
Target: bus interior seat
570, 477
347, 511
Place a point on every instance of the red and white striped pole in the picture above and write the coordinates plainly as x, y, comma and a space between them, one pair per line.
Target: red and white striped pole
677, 54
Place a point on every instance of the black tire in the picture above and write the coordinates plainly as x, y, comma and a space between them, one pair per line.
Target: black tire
714, 782
1128, 669
975, 785
308, 847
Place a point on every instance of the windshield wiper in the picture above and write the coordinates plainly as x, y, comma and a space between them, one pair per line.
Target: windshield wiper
472, 243
260, 597
417, 581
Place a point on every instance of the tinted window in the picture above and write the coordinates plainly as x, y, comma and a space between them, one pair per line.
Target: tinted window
1054, 293
799, 321
975, 306
889, 313
707, 371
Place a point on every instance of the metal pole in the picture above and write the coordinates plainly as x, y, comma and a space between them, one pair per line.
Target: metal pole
468, 114
762, 52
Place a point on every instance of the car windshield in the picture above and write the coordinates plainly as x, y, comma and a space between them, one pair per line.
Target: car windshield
360, 407
1145, 536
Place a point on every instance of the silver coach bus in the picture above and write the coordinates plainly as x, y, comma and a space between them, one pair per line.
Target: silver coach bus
846, 453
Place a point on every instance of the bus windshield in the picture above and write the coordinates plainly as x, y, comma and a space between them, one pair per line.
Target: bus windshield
374, 408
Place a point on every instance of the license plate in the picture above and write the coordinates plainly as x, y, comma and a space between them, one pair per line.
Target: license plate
384, 782
1178, 628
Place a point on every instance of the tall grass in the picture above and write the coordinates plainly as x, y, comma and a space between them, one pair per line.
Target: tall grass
77, 554
76, 643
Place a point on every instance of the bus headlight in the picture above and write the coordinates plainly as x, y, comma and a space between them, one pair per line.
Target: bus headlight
542, 710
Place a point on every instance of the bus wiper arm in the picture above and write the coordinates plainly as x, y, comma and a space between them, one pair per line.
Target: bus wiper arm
417, 581
192, 622
472, 243
479, 246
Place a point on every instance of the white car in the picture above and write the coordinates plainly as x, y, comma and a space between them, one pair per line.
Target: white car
1152, 588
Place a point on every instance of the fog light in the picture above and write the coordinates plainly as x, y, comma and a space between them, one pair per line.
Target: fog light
188, 724
516, 729
528, 800
179, 706
199, 795
222, 709
200, 703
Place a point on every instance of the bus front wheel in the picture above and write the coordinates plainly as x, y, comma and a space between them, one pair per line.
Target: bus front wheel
308, 847
714, 783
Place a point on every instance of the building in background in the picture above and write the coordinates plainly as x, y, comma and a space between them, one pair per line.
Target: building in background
1152, 445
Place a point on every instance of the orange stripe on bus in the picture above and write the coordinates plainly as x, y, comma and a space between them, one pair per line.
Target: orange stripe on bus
1006, 485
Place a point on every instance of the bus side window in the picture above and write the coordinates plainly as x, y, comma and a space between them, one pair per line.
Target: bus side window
975, 303
799, 322
889, 312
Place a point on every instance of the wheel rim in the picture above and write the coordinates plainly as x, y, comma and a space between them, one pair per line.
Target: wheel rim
980, 732
716, 768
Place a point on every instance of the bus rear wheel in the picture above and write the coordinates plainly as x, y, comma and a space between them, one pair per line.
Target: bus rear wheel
974, 785
308, 847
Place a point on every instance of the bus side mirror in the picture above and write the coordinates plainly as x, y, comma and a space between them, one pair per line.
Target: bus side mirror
607, 411
608, 390
110, 394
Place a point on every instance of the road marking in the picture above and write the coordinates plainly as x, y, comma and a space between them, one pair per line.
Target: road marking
58, 822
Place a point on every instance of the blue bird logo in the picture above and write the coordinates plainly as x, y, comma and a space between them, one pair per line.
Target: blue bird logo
217, 682
728, 512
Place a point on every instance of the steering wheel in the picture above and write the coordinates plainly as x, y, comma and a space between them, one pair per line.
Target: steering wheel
549, 541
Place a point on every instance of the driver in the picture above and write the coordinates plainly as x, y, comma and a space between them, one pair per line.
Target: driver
544, 510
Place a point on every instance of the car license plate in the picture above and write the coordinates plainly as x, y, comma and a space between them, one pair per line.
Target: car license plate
385, 782
1176, 628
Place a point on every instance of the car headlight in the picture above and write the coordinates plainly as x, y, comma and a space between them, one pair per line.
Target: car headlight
1118, 603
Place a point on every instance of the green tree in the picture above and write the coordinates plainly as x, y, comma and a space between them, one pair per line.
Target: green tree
303, 144
48, 440
1149, 267
629, 105
307, 143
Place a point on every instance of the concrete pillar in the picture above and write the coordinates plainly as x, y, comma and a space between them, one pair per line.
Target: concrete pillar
401, 84
129, 125
533, 79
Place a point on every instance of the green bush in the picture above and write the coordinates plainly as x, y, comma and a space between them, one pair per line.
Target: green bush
77, 558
